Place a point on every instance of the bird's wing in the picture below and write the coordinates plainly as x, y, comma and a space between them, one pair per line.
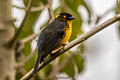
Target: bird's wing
48, 40
54, 37
41, 40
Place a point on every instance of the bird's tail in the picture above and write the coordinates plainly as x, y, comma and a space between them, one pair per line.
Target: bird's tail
39, 58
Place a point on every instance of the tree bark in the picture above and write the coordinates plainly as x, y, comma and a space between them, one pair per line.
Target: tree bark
7, 56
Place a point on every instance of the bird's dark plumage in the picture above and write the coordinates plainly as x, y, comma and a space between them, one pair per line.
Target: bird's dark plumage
51, 37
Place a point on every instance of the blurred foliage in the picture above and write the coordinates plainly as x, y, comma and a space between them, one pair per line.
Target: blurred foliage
66, 6
69, 68
76, 29
18, 76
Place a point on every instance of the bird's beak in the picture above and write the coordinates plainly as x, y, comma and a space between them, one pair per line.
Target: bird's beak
72, 17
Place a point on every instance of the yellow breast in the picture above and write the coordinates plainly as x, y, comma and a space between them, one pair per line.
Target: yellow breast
68, 31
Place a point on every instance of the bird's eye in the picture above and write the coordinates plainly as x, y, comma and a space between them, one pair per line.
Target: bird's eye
64, 16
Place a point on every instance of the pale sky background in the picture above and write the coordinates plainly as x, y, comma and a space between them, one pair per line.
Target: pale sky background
102, 63
102, 49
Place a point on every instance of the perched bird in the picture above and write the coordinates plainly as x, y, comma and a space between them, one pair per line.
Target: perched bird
54, 36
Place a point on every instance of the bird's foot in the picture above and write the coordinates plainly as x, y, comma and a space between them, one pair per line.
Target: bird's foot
63, 48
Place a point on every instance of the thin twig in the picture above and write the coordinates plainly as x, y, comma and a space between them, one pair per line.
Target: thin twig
18, 7
72, 44
30, 38
23, 22
34, 9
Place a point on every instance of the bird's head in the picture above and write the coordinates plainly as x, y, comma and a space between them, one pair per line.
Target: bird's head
65, 17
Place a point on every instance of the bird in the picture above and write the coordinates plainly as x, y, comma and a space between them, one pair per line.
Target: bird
54, 36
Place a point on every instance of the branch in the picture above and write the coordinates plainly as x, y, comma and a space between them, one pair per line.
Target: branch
34, 9
18, 7
30, 38
73, 43
23, 22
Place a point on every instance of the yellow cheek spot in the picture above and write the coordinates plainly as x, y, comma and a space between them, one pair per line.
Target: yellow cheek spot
64, 16
57, 16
